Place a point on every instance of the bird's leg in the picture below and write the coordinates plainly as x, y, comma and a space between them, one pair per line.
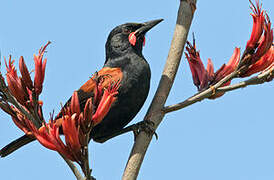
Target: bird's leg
146, 125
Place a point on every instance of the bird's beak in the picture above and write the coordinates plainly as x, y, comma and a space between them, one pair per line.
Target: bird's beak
146, 26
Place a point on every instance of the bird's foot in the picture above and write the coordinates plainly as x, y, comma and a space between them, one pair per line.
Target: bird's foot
146, 126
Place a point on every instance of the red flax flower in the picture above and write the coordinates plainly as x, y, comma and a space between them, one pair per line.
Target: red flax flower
15, 83
40, 67
17, 117
258, 47
265, 41
20, 121
22, 87
25, 73
76, 125
106, 101
225, 70
202, 77
258, 24
48, 135
258, 55
228, 68
263, 63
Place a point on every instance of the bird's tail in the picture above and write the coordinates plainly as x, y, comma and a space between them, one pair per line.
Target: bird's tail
16, 144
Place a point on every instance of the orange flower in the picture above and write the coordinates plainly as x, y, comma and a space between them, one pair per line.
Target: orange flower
25, 73
228, 68
265, 41
21, 87
210, 70
20, 122
105, 103
258, 55
74, 104
261, 38
75, 124
40, 67
71, 133
263, 63
15, 83
48, 135
258, 24
199, 73
202, 77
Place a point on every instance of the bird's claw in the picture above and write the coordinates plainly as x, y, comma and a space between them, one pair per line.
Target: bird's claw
146, 126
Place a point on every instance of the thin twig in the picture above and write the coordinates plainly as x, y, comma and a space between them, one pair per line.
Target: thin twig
184, 19
261, 78
73, 168
200, 96
86, 169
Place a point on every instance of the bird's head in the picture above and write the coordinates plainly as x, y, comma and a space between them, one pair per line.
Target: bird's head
129, 36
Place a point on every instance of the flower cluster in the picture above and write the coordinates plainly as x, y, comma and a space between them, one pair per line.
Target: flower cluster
76, 125
25, 91
259, 52
203, 78
20, 99
258, 55
22, 88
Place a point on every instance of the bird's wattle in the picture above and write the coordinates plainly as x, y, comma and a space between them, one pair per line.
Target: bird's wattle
132, 38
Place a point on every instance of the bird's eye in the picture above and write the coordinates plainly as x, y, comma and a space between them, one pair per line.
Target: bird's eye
126, 30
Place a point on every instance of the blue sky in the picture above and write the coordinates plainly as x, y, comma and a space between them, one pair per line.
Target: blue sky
228, 138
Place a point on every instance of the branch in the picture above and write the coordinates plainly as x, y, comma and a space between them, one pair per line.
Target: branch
73, 168
261, 78
154, 114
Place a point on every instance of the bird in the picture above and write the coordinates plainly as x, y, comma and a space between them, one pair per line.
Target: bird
124, 62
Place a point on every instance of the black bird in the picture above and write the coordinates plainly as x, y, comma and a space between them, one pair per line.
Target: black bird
124, 62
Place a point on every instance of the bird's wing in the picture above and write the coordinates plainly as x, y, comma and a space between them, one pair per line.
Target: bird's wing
109, 74
86, 91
